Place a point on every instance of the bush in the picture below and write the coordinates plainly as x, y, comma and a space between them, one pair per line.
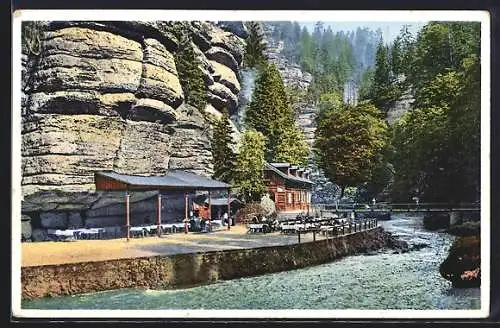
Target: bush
250, 211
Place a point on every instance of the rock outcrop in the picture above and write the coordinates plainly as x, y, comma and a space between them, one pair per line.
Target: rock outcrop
463, 265
107, 96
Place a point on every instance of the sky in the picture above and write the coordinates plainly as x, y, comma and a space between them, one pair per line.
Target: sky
389, 29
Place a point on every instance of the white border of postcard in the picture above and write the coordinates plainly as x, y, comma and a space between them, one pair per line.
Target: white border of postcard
236, 15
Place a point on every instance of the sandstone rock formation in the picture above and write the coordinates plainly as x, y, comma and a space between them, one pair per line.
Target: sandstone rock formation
107, 96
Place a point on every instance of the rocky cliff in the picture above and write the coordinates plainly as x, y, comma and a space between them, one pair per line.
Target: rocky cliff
107, 96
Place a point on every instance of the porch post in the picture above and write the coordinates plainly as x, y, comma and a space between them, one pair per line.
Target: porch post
127, 214
228, 209
209, 211
158, 215
186, 227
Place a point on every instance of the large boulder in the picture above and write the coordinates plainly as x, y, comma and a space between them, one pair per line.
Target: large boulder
151, 110
85, 59
81, 102
236, 27
223, 92
226, 76
435, 221
222, 56
463, 265
159, 75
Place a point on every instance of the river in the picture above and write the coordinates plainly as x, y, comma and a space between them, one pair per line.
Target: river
379, 281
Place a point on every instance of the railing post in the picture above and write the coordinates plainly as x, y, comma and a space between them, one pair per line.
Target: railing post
127, 214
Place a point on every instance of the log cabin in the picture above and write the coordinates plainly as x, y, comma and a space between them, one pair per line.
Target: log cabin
289, 187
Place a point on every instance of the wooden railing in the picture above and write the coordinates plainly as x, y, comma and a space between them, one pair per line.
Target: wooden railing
397, 207
326, 227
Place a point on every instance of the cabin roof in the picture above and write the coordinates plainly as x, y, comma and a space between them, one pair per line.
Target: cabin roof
173, 179
270, 167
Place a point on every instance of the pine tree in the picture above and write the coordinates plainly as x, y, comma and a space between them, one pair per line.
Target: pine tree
381, 78
396, 57
190, 74
222, 144
250, 164
271, 113
255, 46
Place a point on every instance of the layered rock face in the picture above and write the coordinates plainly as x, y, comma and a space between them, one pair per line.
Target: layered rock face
399, 107
107, 96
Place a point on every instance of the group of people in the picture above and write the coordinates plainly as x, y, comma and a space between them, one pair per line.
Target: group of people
199, 224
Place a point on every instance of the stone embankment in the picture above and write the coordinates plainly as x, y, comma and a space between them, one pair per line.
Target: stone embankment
184, 270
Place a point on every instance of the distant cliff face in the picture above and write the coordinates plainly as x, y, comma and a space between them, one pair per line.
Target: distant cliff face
107, 96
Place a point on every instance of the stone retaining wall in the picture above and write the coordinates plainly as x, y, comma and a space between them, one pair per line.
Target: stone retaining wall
183, 270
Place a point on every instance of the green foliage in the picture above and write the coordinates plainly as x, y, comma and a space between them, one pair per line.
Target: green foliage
366, 84
250, 164
420, 142
188, 68
255, 46
328, 57
437, 144
222, 144
383, 89
397, 56
349, 143
292, 147
270, 113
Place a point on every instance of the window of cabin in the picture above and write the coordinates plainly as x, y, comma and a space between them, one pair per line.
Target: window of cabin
289, 198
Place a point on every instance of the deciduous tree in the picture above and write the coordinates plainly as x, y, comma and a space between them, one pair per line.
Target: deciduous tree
250, 164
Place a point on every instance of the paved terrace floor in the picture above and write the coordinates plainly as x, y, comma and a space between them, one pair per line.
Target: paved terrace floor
45, 253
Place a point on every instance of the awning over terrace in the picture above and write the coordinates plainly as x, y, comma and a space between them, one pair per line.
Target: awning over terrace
173, 180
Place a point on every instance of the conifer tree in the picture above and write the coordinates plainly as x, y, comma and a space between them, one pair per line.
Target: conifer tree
381, 78
271, 113
255, 46
190, 74
222, 144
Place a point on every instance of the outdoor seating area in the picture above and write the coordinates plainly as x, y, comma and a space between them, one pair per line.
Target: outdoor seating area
135, 231
325, 226
74, 234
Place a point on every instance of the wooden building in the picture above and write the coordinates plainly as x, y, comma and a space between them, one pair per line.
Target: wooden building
289, 186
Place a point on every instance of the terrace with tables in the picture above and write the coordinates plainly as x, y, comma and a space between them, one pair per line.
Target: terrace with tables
173, 181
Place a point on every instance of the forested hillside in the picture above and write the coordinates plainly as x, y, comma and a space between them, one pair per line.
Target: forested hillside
431, 148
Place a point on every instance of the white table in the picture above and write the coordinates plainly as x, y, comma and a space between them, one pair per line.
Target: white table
257, 227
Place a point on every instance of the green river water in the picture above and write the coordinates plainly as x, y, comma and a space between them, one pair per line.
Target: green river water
380, 281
